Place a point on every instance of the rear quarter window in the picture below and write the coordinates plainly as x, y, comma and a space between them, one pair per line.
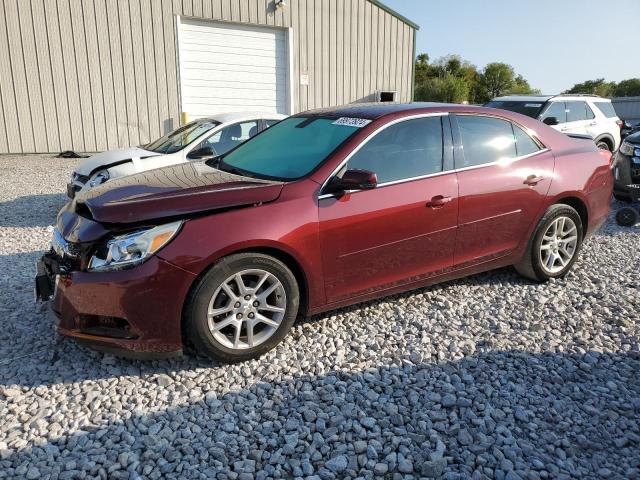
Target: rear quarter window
606, 108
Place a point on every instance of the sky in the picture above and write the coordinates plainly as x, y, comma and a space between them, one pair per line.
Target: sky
553, 44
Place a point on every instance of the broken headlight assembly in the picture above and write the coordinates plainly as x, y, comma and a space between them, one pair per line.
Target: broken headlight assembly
99, 178
133, 248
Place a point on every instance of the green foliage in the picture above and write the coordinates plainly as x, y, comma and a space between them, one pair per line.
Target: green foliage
452, 79
627, 88
593, 87
448, 89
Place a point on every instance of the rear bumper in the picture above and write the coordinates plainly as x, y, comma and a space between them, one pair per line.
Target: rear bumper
133, 313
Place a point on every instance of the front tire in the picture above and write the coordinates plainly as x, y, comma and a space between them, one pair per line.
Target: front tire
242, 307
554, 246
627, 217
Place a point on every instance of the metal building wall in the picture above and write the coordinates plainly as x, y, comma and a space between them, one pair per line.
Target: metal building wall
90, 75
627, 108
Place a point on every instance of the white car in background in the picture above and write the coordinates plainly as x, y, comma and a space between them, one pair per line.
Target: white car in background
571, 114
201, 138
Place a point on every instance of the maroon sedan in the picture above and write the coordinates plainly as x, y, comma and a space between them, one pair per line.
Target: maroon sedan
324, 209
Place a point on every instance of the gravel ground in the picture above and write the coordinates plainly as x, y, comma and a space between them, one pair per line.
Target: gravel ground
486, 377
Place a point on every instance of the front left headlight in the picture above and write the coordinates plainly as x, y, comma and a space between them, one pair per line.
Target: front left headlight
99, 178
133, 248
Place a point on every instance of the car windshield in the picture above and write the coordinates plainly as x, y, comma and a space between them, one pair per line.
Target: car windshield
181, 137
529, 108
291, 148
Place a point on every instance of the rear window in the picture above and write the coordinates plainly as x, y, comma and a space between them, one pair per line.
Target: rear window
530, 109
606, 108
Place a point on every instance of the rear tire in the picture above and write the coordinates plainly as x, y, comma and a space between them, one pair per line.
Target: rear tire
603, 145
241, 308
554, 245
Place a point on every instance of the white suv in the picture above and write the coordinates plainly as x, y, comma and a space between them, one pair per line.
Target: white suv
572, 114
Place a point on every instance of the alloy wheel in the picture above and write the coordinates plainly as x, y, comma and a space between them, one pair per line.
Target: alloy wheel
559, 245
247, 309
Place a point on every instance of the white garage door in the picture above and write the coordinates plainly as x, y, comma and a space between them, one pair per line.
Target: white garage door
229, 68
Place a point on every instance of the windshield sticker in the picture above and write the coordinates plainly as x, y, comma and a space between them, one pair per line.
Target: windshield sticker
533, 105
352, 122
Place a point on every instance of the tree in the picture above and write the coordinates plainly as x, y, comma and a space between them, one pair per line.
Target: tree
448, 89
627, 88
496, 80
521, 87
593, 87
453, 79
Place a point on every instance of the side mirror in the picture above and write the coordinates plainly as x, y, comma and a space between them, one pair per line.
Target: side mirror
353, 180
550, 121
202, 152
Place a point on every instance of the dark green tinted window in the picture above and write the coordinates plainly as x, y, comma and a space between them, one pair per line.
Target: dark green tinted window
289, 149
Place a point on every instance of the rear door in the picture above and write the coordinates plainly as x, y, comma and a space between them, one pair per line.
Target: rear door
577, 118
504, 175
404, 229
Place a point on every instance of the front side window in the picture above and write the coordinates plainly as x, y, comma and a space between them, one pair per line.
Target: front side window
557, 110
408, 149
576, 111
289, 149
181, 137
230, 137
485, 140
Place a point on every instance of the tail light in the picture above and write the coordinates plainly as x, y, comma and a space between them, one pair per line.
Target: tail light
620, 123
607, 155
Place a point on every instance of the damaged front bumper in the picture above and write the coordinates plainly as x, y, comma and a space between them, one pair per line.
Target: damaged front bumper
132, 313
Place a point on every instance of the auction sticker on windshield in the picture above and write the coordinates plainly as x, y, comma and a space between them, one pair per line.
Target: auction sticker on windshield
352, 122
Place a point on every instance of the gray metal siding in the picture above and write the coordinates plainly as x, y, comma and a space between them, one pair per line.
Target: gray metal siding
89, 75
627, 108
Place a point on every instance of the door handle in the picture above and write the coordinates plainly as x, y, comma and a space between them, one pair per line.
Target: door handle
532, 180
438, 201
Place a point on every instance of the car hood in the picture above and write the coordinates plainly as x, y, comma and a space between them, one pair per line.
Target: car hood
172, 191
633, 138
108, 158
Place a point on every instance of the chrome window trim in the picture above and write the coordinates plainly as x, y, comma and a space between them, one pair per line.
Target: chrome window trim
497, 162
544, 149
364, 142
522, 127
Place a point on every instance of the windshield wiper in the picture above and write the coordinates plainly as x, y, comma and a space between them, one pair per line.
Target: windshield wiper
225, 167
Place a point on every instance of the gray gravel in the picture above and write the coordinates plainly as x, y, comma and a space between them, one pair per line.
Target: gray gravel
487, 377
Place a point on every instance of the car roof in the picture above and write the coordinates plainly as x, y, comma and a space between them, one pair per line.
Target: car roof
372, 111
238, 116
524, 98
546, 98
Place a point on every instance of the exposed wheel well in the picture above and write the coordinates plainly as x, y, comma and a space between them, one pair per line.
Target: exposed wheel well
293, 265
606, 139
579, 207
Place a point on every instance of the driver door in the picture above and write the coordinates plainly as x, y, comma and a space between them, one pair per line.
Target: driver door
403, 230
